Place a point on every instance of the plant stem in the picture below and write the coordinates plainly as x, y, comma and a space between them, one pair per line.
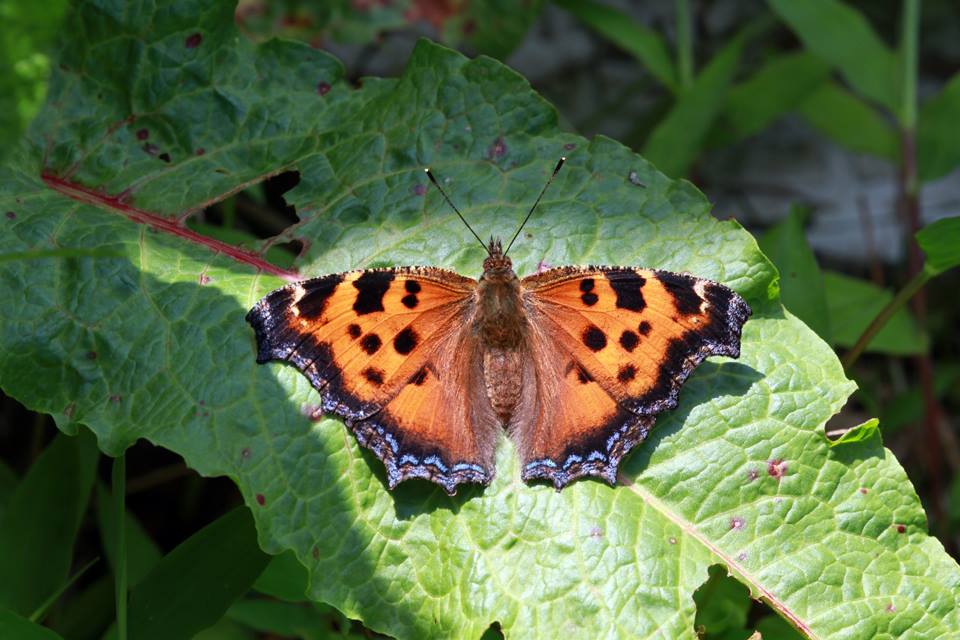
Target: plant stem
120, 522
908, 58
881, 319
684, 43
41, 611
910, 208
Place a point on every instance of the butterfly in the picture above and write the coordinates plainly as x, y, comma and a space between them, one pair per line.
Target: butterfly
427, 367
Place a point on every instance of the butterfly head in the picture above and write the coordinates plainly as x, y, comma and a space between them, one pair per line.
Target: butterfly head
497, 266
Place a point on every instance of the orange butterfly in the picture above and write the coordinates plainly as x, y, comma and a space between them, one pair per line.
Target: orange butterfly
426, 366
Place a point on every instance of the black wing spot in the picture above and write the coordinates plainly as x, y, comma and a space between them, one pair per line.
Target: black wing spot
627, 373
681, 287
412, 286
629, 340
589, 297
371, 343
374, 376
594, 338
371, 287
583, 375
354, 331
410, 301
419, 377
405, 341
316, 293
627, 286
644, 328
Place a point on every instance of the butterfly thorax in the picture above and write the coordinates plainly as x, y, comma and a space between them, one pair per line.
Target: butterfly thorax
500, 320
501, 325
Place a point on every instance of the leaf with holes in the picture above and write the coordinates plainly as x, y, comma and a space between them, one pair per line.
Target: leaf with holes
153, 114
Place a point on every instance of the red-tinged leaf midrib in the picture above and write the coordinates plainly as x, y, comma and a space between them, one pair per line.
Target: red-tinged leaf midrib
164, 224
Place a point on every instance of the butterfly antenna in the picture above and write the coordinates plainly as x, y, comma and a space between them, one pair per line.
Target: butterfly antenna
452, 206
530, 213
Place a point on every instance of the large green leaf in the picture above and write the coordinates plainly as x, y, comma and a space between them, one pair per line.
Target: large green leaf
153, 344
840, 35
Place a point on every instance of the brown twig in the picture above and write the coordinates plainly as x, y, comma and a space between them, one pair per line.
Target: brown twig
910, 210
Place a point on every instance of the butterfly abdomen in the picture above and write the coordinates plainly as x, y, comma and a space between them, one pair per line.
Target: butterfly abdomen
503, 378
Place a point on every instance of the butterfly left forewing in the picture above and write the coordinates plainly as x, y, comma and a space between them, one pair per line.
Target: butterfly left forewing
388, 352
632, 334
355, 335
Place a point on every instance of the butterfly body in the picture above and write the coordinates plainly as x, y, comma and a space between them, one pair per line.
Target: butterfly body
501, 328
428, 367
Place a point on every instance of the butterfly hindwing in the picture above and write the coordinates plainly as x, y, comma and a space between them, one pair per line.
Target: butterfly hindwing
620, 341
388, 352
567, 425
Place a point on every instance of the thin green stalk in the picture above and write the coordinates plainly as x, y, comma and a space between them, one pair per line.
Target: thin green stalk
120, 522
909, 23
684, 43
899, 300
41, 611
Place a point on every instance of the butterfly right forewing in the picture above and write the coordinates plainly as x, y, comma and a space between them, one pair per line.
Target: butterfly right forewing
612, 346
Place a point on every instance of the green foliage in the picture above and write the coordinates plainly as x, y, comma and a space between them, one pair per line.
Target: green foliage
841, 36
310, 622
777, 87
940, 242
639, 41
938, 136
837, 306
865, 431
15, 626
801, 281
142, 552
853, 303
284, 578
492, 27
722, 605
905, 407
850, 122
8, 482
192, 586
151, 343
26, 35
36, 545
676, 140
